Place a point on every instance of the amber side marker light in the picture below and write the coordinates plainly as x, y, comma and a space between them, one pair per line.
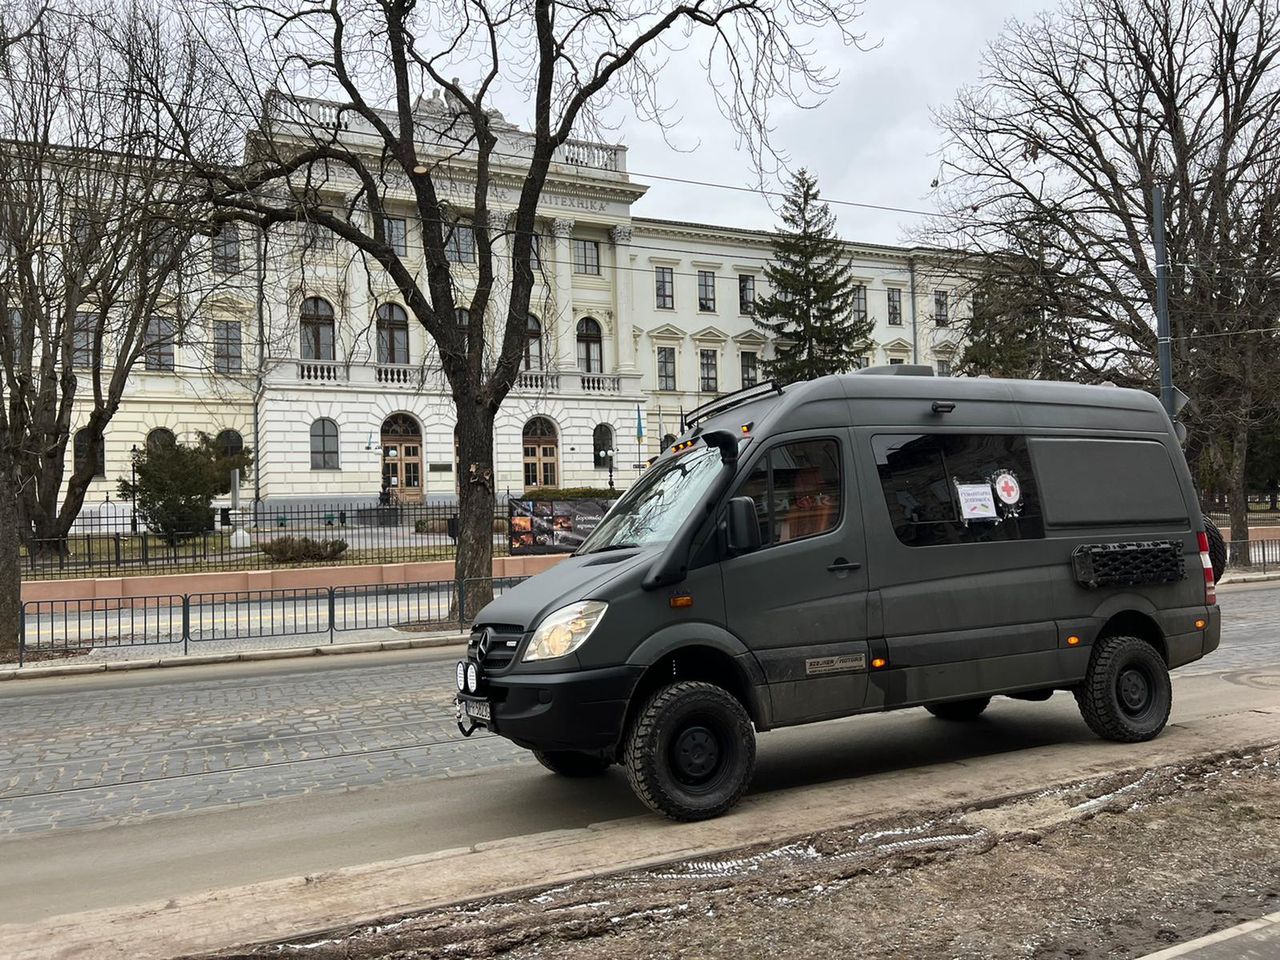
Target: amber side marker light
684, 600
1073, 641
1201, 624
879, 663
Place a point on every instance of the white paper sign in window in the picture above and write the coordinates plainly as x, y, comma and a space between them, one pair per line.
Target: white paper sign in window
976, 501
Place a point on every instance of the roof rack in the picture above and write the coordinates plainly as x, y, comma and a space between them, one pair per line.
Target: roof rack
729, 401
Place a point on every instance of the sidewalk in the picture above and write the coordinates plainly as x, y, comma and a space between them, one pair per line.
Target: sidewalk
1256, 940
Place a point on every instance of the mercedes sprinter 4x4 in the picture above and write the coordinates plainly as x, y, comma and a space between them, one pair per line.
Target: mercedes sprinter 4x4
854, 544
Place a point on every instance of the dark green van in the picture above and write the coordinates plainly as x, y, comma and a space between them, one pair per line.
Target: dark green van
854, 544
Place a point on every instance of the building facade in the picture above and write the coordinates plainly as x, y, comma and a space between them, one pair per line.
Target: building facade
311, 359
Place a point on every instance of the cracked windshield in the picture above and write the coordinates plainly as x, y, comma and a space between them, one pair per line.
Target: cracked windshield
652, 511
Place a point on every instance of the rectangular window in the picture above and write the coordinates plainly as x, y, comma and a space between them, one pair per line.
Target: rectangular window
750, 368
460, 244
708, 375
664, 287
226, 347
82, 336
796, 489
746, 294
226, 249
861, 363
535, 253
316, 236
859, 309
895, 307
164, 249
941, 313
586, 257
706, 290
158, 343
925, 476
944, 368
666, 368
1137, 486
894, 361
397, 231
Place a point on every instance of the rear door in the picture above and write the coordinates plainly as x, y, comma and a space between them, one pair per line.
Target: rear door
800, 601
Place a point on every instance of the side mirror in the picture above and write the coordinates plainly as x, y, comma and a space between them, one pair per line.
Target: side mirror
742, 525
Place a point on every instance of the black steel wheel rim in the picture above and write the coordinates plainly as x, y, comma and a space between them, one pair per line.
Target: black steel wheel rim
1135, 691
697, 754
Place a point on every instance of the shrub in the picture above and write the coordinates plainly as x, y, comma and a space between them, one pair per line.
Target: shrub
303, 550
569, 493
176, 483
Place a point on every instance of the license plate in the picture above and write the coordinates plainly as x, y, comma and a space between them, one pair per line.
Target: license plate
476, 709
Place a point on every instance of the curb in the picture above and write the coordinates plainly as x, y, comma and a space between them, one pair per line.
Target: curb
1228, 580
1267, 927
246, 656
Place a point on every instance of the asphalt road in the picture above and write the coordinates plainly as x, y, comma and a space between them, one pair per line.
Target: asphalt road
123, 787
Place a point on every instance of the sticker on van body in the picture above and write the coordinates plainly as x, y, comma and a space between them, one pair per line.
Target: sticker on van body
848, 662
1007, 488
976, 501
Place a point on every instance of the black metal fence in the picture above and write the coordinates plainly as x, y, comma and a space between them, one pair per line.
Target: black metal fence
195, 623
117, 543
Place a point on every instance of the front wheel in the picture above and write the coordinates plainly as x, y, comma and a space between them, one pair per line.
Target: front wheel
571, 763
959, 709
690, 751
1126, 695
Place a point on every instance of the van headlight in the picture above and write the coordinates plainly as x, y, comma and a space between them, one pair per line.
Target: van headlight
565, 630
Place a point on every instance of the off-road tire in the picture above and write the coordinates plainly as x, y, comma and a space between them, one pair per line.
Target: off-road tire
572, 763
665, 736
1102, 696
959, 709
1217, 549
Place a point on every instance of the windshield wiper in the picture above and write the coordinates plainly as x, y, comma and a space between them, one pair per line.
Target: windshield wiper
615, 546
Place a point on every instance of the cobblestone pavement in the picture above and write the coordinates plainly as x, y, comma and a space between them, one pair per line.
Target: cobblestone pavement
134, 749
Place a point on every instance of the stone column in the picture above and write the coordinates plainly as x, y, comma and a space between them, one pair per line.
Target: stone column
622, 299
562, 295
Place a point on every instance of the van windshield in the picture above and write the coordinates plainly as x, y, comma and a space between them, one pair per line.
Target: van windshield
651, 511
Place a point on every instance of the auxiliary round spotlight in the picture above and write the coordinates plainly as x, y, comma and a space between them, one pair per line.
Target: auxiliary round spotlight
473, 678
461, 675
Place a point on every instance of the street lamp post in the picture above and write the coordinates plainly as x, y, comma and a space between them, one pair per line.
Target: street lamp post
609, 457
133, 489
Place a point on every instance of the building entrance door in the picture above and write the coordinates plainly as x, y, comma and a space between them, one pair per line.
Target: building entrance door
402, 458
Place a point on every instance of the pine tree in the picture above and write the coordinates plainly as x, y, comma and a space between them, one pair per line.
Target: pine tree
810, 313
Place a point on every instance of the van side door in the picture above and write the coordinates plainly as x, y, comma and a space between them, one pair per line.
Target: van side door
799, 602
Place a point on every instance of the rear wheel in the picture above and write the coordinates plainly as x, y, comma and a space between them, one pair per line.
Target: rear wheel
1126, 695
571, 763
690, 751
959, 709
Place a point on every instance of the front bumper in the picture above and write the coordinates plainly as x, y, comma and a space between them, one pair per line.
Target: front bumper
583, 710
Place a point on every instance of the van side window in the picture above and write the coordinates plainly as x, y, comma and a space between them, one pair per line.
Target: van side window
925, 476
796, 487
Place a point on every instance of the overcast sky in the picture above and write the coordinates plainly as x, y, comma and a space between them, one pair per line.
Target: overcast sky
873, 141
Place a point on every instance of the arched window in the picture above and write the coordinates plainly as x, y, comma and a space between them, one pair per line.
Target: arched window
590, 348
83, 446
462, 320
602, 442
541, 450
316, 325
393, 334
324, 445
667, 440
160, 437
230, 444
533, 343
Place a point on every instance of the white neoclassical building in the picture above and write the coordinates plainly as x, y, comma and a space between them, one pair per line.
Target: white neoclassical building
310, 358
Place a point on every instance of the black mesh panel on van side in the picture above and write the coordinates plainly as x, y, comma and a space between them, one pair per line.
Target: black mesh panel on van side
1128, 564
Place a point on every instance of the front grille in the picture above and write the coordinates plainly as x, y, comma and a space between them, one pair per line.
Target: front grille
503, 643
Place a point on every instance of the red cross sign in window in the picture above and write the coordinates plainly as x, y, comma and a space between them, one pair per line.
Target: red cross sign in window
1007, 488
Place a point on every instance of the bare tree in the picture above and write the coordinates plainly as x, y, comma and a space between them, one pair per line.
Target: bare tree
384, 138
1075, 117
98, 268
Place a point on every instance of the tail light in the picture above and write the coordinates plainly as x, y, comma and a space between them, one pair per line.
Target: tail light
1210, 589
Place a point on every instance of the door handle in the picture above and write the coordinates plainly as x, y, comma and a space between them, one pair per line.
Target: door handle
842, 564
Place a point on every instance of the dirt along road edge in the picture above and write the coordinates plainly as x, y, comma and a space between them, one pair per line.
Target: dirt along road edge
297, 906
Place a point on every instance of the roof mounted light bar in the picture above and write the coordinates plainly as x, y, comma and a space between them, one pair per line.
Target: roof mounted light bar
729, 401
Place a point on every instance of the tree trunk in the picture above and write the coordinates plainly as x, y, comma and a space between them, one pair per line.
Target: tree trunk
474, 565
1237, 494
10, 568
